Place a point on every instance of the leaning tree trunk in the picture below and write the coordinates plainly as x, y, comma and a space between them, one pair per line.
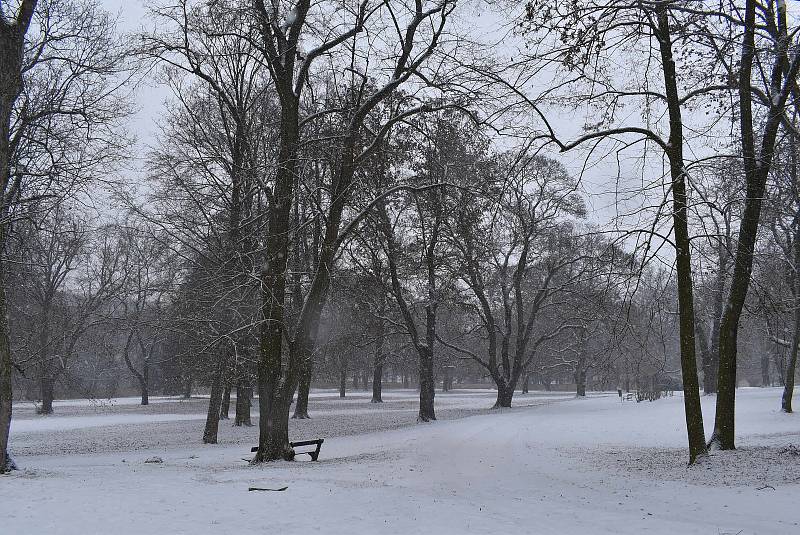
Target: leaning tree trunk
686, 322
225, 406
757, 160
214, 404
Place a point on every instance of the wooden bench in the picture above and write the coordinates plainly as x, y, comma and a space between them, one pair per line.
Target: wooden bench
314, 454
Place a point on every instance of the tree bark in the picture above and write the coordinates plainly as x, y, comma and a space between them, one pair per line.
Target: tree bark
674, 152
144, 385
427, 387
303, 390
757, 160
47, 388
276, 383
244, 395
214, 404
788, 388
187, 389
225, 405
12, 46
505, 395
377, 368
6, 371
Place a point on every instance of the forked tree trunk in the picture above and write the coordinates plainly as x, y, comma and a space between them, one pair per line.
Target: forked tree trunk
274, 444
505, 394
275, 382
757, 160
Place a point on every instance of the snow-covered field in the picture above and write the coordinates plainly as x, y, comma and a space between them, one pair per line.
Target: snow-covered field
553, 465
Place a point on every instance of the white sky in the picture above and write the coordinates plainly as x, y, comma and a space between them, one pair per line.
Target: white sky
600, 180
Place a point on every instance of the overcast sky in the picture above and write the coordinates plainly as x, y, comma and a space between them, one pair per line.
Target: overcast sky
599, 180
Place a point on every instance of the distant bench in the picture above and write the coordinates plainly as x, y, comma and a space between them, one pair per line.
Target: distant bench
314, 454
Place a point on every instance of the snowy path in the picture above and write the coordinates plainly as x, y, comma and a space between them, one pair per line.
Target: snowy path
553, 468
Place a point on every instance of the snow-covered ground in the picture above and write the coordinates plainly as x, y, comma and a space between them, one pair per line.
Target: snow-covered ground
556, 465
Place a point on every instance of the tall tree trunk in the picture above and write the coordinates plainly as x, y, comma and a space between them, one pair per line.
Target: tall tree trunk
6, 370
276, 382
215, 404
526, 383
342, 382
788, 388
12, 46
187, 387
757, 160
674, 152
225, 406
244, 395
